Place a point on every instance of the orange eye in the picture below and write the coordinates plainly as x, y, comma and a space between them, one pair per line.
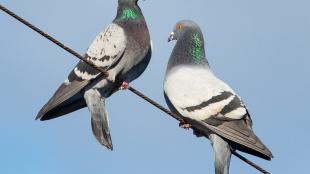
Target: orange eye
179, 26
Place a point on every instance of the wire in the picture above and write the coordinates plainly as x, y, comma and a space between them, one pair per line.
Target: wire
105, 74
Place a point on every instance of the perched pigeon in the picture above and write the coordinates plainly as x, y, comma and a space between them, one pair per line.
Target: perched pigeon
206, 103
123, 49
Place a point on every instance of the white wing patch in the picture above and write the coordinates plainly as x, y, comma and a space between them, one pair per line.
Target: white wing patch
191, 86
235, 114
84, 75
108, 46
67, 82
210, 110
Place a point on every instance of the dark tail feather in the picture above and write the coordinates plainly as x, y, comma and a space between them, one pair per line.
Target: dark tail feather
100, 127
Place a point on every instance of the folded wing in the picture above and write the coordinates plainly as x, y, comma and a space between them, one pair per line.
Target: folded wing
105, 51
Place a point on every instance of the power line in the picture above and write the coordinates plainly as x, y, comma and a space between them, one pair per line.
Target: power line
105, 74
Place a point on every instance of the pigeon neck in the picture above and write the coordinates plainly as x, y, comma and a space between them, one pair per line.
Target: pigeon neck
128, 13
189, 50
130, 18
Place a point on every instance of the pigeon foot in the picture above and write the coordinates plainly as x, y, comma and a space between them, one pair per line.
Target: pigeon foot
185, 125
124, 85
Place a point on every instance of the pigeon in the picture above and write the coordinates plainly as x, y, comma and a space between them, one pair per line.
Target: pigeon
124, 50
206, 103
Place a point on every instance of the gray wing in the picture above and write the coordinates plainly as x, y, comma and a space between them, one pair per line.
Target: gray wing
240, 134
105, 51
67, 98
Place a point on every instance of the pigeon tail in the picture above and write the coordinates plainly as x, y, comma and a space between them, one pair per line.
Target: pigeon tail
99, 117
222, 154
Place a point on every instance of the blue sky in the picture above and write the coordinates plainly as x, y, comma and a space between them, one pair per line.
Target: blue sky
260, 48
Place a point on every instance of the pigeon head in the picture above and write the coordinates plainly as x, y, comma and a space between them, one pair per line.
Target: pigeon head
190, 43
184, 27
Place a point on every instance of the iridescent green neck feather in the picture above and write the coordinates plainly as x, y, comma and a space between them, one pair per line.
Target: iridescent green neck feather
129, 14
197, 50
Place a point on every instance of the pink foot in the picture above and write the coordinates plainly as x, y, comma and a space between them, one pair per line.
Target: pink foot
124, 86
185, 125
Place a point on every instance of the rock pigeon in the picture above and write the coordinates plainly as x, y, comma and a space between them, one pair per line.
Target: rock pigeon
204, 101
123, 49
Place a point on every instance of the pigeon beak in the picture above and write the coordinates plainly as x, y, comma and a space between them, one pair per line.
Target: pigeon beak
171, 37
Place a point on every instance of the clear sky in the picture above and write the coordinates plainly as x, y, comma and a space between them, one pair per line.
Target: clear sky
261, 48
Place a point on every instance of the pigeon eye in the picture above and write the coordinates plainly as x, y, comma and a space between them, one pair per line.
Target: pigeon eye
179, 26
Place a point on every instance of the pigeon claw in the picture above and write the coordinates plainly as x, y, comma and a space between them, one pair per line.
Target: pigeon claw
124, 85
185, 125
